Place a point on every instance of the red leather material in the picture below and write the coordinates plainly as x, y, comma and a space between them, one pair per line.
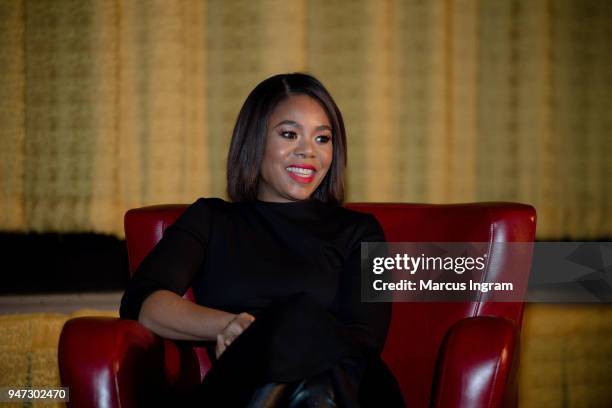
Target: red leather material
181, 365
476, 363
109, 362
144, 228
417, 330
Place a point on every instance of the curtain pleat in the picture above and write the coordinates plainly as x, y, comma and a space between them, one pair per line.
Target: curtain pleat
12, 115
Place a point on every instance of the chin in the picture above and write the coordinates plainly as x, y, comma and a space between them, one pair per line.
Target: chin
301, 195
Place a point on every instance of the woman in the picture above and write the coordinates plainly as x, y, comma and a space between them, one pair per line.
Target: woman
276, 271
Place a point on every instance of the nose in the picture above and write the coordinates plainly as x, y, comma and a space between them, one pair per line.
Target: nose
304, 148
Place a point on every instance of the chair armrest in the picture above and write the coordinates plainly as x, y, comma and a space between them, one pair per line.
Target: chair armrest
110, 362
477, 364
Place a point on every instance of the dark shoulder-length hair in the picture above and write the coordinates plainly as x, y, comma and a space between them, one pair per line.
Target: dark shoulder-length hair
249, 137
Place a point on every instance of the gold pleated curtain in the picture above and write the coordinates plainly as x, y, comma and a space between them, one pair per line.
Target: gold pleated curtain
110, 105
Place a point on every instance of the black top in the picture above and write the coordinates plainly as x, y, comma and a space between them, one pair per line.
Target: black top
261, 258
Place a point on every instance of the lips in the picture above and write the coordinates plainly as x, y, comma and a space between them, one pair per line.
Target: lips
302, 173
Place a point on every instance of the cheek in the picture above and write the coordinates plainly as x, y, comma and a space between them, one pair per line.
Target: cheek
327, 157
273, 164
277, 152
271, 158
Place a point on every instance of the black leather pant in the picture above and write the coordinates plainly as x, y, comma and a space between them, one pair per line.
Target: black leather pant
316, 391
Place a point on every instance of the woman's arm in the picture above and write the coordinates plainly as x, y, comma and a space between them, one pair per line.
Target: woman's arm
153, 296
169, 315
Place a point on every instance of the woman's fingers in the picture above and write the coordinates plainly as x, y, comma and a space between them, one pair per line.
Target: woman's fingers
231, 334
244, 320
237, 326
234, 329
220, 347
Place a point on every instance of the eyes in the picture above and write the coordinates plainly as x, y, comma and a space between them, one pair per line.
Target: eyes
291, 135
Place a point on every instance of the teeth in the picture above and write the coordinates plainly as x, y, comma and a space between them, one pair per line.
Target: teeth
300, 171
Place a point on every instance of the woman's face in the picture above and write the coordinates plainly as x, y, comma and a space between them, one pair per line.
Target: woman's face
298, 150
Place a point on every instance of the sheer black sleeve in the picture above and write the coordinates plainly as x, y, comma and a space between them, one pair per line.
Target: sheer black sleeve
366, 322
173, 263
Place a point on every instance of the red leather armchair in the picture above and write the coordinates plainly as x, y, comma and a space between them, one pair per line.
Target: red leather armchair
456, 354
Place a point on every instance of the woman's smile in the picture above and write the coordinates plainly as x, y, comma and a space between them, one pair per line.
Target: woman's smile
302, 173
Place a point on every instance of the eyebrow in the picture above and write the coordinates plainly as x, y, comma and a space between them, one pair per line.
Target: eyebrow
297, 125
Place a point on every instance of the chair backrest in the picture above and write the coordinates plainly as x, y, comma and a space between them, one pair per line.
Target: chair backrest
417, 329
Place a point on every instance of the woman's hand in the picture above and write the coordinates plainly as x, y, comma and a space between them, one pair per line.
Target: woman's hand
233, 329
